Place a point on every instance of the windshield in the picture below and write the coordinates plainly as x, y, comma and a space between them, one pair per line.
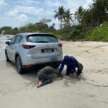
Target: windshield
42, 39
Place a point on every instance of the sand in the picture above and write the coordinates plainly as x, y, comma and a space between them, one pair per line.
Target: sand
91, 91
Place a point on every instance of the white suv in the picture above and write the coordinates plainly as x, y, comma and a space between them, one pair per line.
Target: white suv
28, 49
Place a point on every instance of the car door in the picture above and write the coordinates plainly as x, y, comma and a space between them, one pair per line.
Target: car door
14, 46
10, 48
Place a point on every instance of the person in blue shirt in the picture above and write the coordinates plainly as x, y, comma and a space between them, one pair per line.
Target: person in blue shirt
73, 66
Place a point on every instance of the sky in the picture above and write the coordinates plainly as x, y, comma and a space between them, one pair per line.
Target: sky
17, 13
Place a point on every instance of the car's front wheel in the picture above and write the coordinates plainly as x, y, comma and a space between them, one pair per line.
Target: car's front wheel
19, 66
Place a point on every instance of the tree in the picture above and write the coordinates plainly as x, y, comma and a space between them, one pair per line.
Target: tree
45, 21
52, 27
60, 15
94, 16
15, 30
6, 30
67, 18
100, 7
79, 14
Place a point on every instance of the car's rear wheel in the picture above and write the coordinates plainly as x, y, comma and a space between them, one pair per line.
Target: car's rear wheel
55, 65
19, 66
7, 58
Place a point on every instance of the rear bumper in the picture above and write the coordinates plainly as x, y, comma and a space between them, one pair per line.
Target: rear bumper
39, 66
28, 60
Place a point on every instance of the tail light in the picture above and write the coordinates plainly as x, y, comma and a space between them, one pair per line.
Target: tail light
60, 45
28, 46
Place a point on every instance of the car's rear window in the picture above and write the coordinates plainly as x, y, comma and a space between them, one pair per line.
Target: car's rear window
42, 38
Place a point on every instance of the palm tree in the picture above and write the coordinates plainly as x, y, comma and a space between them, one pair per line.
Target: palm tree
79, 14
67, 18
60, 15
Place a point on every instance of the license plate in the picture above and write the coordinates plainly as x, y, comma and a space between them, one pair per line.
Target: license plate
47, 50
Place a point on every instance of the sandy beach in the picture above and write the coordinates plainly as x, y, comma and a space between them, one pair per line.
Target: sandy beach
91, 91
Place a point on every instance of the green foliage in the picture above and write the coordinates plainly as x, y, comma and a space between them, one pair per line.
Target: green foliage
64, 16
95, 15
99, 33
6, 29
37, 27
70, 33
79, 14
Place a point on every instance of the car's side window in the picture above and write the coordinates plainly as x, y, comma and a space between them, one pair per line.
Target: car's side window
18, 39
12, 40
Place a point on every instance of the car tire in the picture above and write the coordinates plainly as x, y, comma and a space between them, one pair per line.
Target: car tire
7, 58
19, 66
55, 65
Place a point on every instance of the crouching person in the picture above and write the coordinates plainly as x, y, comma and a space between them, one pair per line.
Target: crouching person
73, 66
46, 76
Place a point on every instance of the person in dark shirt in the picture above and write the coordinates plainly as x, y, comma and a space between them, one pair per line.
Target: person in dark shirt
73, 66
46, 75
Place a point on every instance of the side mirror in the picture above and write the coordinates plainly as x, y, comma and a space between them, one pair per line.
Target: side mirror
8, 42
